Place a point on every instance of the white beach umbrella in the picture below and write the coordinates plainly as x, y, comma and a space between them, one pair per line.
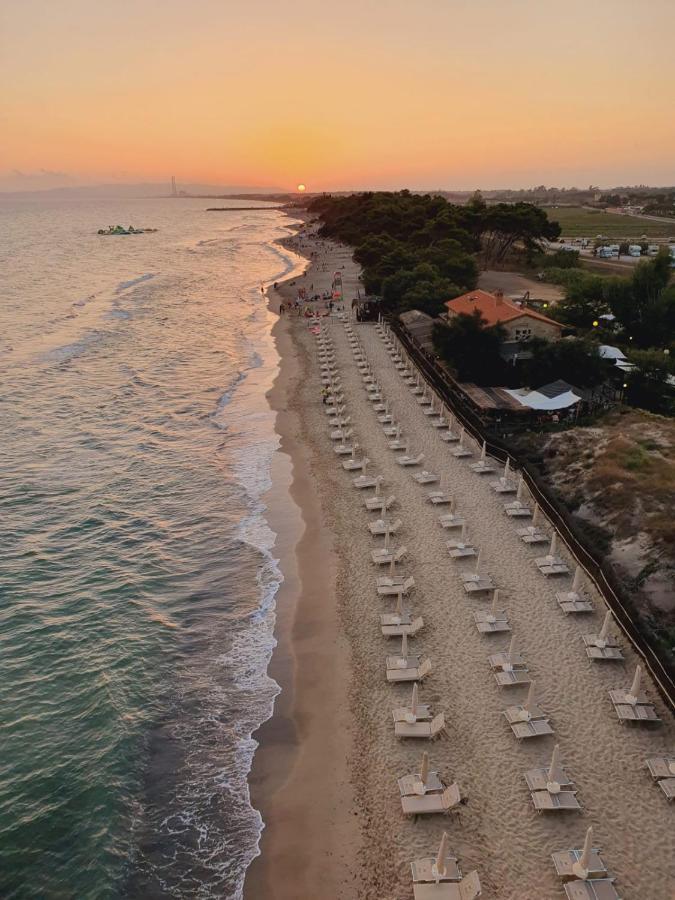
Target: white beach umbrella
635, 686
519, 492
580, 868
507, 468
461, 436
535, 515
554, 544
477, 567
604, 631
483, 452
452, 506
414, 700
512, 647
404, 646
552, 783
438, 868
462, 536
424, 768
576, 583
386, 539
392, 564
495, 606
399, 604
529, 700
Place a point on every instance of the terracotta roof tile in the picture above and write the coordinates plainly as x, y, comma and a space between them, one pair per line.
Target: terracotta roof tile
493, 309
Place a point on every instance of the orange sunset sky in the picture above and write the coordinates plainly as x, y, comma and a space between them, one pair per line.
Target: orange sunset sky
349, 94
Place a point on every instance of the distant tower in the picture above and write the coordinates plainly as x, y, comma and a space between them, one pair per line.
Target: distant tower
174, 192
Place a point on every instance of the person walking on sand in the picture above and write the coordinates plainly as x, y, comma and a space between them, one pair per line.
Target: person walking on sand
324, 395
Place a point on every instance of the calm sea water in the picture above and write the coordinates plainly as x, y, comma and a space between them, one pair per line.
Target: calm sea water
136, 580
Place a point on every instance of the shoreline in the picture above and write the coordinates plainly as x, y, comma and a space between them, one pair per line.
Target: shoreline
304, 845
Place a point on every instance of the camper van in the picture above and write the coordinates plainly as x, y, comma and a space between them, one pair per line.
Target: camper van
605, 252
634, 250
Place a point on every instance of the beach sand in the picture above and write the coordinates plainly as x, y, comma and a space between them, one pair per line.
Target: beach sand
325, 775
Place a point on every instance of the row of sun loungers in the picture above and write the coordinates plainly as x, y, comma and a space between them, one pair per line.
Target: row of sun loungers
425, 792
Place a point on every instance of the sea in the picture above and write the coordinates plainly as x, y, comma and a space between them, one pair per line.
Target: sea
137, 578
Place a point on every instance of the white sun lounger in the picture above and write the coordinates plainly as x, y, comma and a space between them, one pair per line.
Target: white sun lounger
410, 460
388, 586
546, 802
532, 729
428, 804
512, 677
516, 510
574, 602
420, 729
379, 504
425, 477
661, 767
592, 889
366, 481
380, 526
384, 555
451, 520
413, 673
467, 889
564, 861
400, 628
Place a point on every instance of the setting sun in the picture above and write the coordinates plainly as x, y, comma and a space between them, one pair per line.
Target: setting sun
301, 188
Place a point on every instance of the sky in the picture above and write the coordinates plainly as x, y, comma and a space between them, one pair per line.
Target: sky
354, 94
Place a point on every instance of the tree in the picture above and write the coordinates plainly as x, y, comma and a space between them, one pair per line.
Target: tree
647, 381
575, 361
644, 304
471, 349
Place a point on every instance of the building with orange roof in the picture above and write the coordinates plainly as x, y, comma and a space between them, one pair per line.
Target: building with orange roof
520, 322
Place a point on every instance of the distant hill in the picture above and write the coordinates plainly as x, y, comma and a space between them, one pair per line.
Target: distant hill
144, 189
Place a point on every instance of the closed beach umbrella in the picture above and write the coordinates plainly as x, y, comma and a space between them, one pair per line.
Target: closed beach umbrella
495, 604
483, 452
576, 584
529, 700
554, 768
404, 646
554, 544
535, 515
635, 686
512, 646
399, 603
604, 631
414, 699
478, 561
424, 770
507, 467
580, 868
519, 492
439, 866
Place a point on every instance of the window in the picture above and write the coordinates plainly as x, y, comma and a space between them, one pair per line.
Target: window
523, 334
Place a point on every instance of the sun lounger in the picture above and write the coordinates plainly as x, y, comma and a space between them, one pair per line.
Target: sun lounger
420, 729
643, 713
414, 673
533, 535
405, 714
401, 628
482, 467
661, 767
517, 510
535, 728
667, 785
489, 622
380, 526
514, 714
384, 555
423, 871
428, 804
547, 802
461, 452
366, 481
551, 565
503, 486
439, 498
564, 860
460, 549
613, 654
592, 889
467, 889
537, 779
425, 477
379, 504
503, 659
410, 460
412, 786
393, 588
451, 520
512, 677
574, 602
395, 619
483, 584
354, 465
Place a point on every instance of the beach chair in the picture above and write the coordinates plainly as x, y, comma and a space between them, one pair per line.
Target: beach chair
592, 889
407, 460
366, 481
451, 520
467, 889
420, 728
381, 526
661, 767
667, 786
384, 555
544, 801
354, 464
413, 673
425, 477
429, 804
392, 586
483, 466
379, 504
532, 729
398, 629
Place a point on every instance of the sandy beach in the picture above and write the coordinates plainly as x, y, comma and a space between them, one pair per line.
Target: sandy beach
325, 775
